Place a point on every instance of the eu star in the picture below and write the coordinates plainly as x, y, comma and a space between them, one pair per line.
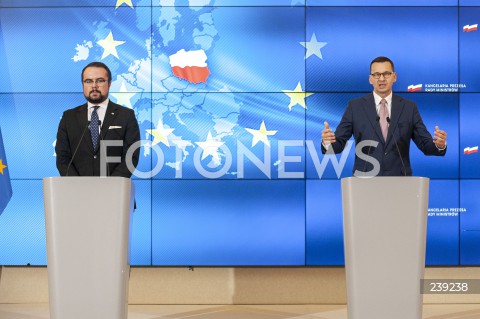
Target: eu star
109, 46
123, 96
210, 146
261, 134
313, 47
2, 166
127, 2
160, 134
297, 96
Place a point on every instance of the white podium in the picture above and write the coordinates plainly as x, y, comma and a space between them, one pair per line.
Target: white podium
87, 223
385, 235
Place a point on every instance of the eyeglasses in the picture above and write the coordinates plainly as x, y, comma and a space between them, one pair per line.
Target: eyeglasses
98, 82
386, 75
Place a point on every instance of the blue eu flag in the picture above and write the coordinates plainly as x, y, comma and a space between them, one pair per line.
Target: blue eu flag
5, 185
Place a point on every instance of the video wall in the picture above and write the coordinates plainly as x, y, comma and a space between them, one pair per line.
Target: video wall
231, 171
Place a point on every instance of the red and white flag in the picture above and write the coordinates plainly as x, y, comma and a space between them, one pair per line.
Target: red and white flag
470, 150
190, 66
415, 88
470, 28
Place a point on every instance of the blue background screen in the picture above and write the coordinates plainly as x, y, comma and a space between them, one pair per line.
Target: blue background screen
279, 67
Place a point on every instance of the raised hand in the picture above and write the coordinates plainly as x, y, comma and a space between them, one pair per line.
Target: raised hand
440, 138
328, 136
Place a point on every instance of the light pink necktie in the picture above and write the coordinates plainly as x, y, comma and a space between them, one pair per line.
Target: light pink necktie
383, 118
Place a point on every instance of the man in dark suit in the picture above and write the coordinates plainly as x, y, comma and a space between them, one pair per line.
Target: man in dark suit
387, 120
82, 129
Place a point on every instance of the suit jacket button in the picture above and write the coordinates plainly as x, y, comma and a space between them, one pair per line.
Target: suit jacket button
95, 156
385, 153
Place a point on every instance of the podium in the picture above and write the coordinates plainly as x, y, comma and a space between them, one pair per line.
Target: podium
88, 231
385, 236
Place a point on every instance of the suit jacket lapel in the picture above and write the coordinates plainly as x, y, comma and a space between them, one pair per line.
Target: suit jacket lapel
371, 110
397, 109
110, 114
82, 117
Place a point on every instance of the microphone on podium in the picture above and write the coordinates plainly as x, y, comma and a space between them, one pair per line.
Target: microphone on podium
377, 119
78, 145
398, 149
99, 145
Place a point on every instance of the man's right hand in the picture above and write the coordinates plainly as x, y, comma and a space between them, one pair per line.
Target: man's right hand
328, 136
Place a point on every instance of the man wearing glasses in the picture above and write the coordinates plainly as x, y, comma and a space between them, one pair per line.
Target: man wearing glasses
389, 122
82, 129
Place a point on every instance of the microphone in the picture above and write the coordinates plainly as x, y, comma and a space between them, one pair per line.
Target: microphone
99, 127
398, 150
99, 145
99, 123
377, 119
78, 145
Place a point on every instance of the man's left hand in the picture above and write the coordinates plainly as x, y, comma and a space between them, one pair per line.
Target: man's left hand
440, 138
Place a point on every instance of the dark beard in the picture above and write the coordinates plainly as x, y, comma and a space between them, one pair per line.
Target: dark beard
98, 100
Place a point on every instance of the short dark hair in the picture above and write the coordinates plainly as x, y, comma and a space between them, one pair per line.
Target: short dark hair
382, 59
98, 65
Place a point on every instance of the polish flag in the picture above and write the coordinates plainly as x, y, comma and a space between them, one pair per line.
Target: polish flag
470, 150
415, 88
190, 66
469, 28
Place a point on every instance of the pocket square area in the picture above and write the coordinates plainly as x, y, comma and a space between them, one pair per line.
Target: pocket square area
113, 127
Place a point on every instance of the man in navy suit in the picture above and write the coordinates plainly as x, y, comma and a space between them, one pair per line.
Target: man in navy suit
386, 123
82, 129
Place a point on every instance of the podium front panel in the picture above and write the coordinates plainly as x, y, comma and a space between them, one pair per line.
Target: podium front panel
88, 233
385, 234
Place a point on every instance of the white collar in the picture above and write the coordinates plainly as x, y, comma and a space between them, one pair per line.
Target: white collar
102, 105
378, 98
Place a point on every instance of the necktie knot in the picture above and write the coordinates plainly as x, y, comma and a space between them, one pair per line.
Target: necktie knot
94, 113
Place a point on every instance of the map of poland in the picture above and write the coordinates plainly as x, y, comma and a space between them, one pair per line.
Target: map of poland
190, 66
